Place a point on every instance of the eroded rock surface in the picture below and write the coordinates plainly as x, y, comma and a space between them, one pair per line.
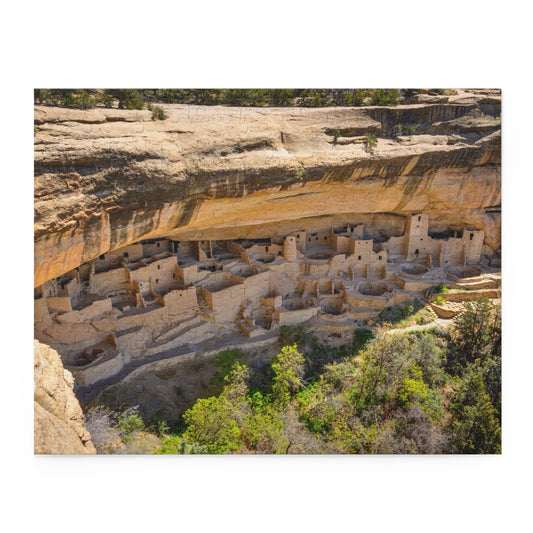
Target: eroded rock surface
59, 426
105, 178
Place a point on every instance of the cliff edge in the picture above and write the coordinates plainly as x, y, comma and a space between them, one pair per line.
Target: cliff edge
59, 426
105, 178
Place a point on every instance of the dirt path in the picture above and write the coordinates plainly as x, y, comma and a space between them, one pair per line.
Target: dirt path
439, 322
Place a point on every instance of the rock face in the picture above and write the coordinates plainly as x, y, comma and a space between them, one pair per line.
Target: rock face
105, 178
58, 419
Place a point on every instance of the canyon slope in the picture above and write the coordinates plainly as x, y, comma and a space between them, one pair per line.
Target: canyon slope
105, 178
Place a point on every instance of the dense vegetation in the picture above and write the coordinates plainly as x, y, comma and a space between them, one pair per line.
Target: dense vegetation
140, 98
419, 392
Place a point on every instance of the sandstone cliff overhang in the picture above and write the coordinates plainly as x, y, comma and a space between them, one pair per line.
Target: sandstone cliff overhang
105, 177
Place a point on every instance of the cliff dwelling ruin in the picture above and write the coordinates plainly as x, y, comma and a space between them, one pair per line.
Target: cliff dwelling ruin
158, 298
164, 244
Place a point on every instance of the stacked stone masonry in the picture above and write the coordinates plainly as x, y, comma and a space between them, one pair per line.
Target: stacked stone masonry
153, 296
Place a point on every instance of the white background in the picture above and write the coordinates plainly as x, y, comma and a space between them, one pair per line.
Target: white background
269, 44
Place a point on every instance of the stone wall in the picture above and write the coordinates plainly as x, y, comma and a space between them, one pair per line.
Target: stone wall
130, 253
463, 296
184, 248
163, 273
451, 251
58, 304
356, 299
87, 313
293, 317
226, 303
281, 283
342, 244
396, 246
157, 247
108, 282
41, 316
72, 289
191, 274
290, 248
473, 243
257, 286
72, 334
337, 264
282, 292
100, 369
362, 249
181, 303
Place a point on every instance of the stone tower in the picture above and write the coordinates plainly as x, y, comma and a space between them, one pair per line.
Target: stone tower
289, 248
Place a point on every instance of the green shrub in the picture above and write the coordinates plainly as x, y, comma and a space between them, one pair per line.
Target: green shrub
162, 428
371, 140
80, 99
397, 130
428, 352
355, 97
280, 97
158, 113
335, 374
129, 422
413, 390
360, 339
423, 317
77, 98
106, 99
300, 174
132, 101
399, 314
175, 444
389, 97
441, 288
289, 335
475, 424
407, 129
224, 362
288, 368
439, 300
128, 98
476, 333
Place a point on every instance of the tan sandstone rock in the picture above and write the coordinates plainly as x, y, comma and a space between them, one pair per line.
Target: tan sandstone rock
59, 426
107, 178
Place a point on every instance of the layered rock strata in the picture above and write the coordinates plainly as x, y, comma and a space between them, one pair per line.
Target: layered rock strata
106, 178
59, 426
